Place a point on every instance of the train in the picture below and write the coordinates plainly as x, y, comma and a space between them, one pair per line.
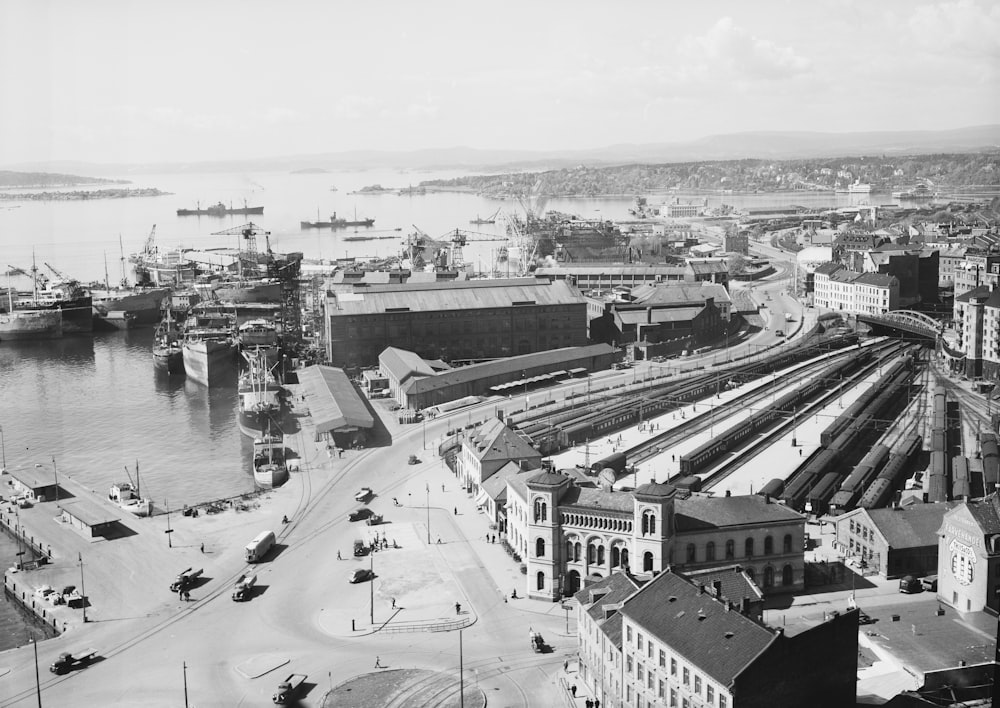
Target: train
882, 487
892, 377
960, 479
991, 462
854, 485
936, 484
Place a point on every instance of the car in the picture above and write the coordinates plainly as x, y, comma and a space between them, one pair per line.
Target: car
865, 618
930, 583
414, 460
909, 584
360, 514
363, 494
360, 575
374, 520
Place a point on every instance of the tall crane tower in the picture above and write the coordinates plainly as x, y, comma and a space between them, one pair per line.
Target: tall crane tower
249, 263
460, 238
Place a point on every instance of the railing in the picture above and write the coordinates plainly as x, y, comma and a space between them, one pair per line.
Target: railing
427, 626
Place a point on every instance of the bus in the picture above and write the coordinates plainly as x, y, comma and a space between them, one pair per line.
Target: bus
259, 547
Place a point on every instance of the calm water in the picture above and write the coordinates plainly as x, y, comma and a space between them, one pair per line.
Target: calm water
95, 405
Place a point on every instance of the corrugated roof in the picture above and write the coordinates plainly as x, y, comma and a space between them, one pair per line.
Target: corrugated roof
333, 401
718, 641
401, 364
912, 526
500, 367
467, 295
673, 294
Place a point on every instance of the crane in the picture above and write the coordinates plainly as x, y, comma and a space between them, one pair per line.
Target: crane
57, 273
460, 238
148, 247
247, 254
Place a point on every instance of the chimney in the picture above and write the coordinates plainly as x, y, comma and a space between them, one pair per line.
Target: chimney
717, 584
767, 498
745, 606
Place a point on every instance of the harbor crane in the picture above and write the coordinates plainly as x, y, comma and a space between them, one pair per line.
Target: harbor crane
460, 238
57, 273
248, 257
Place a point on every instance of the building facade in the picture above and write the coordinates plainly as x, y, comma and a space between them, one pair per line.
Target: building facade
969, 556
839, 289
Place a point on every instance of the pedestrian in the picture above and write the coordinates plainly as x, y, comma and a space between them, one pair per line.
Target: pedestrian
187, 596
442, 487
338, 556
203, 548
589, 703
597, 703
458, 608
180, 594
566, 665
394, 603
800, 452
439, 540
378, 663
572, 689
456, 511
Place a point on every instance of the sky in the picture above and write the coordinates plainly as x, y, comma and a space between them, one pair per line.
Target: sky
116, 81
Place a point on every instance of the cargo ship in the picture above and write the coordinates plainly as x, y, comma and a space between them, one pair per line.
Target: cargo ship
261, 397
336, 222
127, 307
21, 325
168, 353
209, 347
64, 294
269, 466
220, 209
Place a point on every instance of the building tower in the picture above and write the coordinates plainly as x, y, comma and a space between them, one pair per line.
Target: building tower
653, 528
545, 545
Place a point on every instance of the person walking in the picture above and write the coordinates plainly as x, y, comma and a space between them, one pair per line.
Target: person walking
203, 548
378, 663
394, 603
589, 703
572, 689
597, 703
338, 556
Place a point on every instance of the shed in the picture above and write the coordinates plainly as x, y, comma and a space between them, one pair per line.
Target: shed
337, 408
86, 516
38, 483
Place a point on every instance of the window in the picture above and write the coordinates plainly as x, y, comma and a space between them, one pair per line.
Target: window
628, 634
710, 695
686, 677
638, 641
697, 684
540, 548
722, 701
663, 657
639, 672
660, 688
673, 667
649, 650
647, 562
748, 548
769, 577
787, 575
692, 553
768, 545
628, 665
673, 697
600, 555
730, 549
710, 551
540, 580
788, 543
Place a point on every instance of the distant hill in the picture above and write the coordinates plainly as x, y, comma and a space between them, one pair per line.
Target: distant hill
775, 145
9, 179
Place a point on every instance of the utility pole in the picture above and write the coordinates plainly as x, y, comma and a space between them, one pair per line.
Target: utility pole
371, 588
3, 448
184, 664
461, 673
427, 486
83, 589
169, 531
38, 683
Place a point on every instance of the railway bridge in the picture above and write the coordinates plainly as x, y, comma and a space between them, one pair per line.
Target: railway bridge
905, 322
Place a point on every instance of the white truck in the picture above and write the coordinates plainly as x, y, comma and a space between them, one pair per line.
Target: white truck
288, 689
244, 588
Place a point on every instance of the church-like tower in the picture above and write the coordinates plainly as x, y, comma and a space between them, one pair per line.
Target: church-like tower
545, 547
653, 530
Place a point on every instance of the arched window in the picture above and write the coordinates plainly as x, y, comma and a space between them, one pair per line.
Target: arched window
540, 581
541, 511
540, 547
768, 577
788, 543
625, 558
576, 551
616, 556
748, 548
647, 562
591, 553
787, 575
648, 523
710, 551
692, 553
569, 550
730, 549
768, 545
600, 555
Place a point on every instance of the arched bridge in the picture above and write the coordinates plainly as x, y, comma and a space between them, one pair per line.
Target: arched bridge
905, 321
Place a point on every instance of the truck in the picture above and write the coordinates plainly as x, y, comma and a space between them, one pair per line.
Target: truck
288, 689
243, 590
68, 661
788, 317
259, 547
185, 579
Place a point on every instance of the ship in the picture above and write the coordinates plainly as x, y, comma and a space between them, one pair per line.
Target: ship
857, 187
492, 219
365, 237
248, 290
125, 307
64, 294
919, 192
209, 347
220, 209
158, 268
269, 465
336, 222
20, 325
261, 397
168, 353
259, 336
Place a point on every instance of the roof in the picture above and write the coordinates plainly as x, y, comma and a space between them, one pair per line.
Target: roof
717, 640
87, 511
333, 401
969, 295
453, 295
659, 315
654, 489
736, 584
610, 270
680, 294
697, 513
708, 267
986, 513
602, 599
877, 279
911, 526
401, 364
549, 479
502, 367
495, 485
495, 441
828, 268
41, 475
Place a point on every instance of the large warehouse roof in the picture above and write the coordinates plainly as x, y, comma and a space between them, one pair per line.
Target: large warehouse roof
334, 403
468, 295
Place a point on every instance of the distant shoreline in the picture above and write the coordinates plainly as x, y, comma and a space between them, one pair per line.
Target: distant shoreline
80, 194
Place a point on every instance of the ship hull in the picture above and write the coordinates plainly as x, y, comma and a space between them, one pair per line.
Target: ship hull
222, 211
27, 325
169, 360
263, 292
144, 307
210, 362
77, 314
269, 476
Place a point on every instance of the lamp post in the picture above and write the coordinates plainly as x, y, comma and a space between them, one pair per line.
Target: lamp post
83, 589
169, 531
427, 486
371, 589
424, 422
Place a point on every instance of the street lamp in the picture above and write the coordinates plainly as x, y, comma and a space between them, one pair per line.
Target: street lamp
169, 530
83, 590
427, 486
371, 588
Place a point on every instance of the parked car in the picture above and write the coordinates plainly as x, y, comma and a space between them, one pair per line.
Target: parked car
363, 494
909, 584
414, 460
864, 618
929, 583
360, 514
374, 520
360, 575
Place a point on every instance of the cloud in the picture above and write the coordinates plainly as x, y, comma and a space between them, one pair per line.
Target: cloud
960, 26
426, 108
729, 51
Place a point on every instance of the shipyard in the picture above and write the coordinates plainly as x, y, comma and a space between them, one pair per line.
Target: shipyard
654, 396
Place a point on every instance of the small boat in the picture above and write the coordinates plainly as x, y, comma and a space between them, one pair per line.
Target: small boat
261, 397
168, 354
127, 497
269, 467
488, 220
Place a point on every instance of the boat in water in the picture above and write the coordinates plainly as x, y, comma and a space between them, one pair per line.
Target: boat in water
365, 237
270, 468
168, 353
209, 346
220, 209
126, 495
261, 397
22, 325
336, 222
64, 294
920, 192
125, 307
857, 187
247, 290
258, 337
